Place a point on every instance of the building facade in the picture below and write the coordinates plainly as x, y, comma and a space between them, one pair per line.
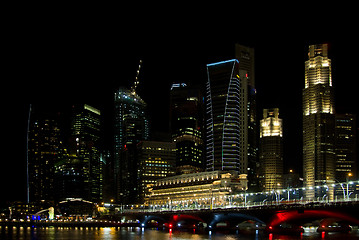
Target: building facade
346, 147
80, 172
318, 121
186, 128
226, 117
246, 58
196, 189
131, 126
157, 160
43, 152
271, 150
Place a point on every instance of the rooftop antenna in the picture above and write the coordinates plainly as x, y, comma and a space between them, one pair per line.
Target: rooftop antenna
133, 88
27, 157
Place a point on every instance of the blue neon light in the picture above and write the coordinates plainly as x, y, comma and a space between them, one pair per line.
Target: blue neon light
227, 61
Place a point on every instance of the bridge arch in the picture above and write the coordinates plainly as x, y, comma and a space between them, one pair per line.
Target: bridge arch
186, 219
234, 218
295, 215
147, 219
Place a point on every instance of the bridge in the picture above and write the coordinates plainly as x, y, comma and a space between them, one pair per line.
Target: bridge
329, 216
276, 210
282, 217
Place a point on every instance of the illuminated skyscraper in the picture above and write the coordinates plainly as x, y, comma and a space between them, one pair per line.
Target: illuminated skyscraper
186, 122
44, 145
157, 160
246, 58
318, 121
85, 145
131, 127
79, 172
346, 147
271, 149
226, 117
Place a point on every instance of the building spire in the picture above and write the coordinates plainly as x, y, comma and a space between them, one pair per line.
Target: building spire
133, 88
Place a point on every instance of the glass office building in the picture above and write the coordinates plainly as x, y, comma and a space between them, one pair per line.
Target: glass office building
79, 173
226, 117
131, 127
186, 128
44, 145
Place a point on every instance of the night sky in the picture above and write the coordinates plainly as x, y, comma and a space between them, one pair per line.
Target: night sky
61, 63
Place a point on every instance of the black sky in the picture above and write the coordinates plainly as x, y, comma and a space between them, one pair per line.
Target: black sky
61, 62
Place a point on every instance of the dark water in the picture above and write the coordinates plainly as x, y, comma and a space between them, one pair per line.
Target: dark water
148, 234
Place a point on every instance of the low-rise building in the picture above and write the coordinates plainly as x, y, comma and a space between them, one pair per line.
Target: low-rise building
196, 189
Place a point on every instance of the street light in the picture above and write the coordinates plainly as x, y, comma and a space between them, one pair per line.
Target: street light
349, 175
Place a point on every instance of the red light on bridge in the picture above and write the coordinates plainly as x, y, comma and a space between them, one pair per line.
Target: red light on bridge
270, 227
270, 237
170, 225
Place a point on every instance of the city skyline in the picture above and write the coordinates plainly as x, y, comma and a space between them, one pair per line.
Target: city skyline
260, 81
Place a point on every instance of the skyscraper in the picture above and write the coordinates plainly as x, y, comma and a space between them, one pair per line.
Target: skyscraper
226, 117
44, 144
79, 171
85, 145
271, 149
157, 160
186, 128
346, 147
318, 121
131, 127
246, 58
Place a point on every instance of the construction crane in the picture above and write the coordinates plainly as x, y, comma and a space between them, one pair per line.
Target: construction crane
133, 88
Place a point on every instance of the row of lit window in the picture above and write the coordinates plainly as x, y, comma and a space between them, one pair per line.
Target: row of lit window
157, 165
344, 166
177, 181
154, 175
156, 161
160, 149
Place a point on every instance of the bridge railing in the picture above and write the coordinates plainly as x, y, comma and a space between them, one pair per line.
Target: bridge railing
248, 206
340, 192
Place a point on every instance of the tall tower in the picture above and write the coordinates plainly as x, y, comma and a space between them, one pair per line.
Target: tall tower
85, 145
318, 122
157, 160
131, 127
271, 149
246, 58
346, 147
43, 152
226, 117
186, 122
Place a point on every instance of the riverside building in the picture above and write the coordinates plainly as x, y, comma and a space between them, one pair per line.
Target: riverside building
196, 189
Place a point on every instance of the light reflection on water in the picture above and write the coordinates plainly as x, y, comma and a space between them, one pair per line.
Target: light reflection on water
109, 233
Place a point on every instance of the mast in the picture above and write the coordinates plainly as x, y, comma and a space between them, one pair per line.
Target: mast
27, 158
133, 88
